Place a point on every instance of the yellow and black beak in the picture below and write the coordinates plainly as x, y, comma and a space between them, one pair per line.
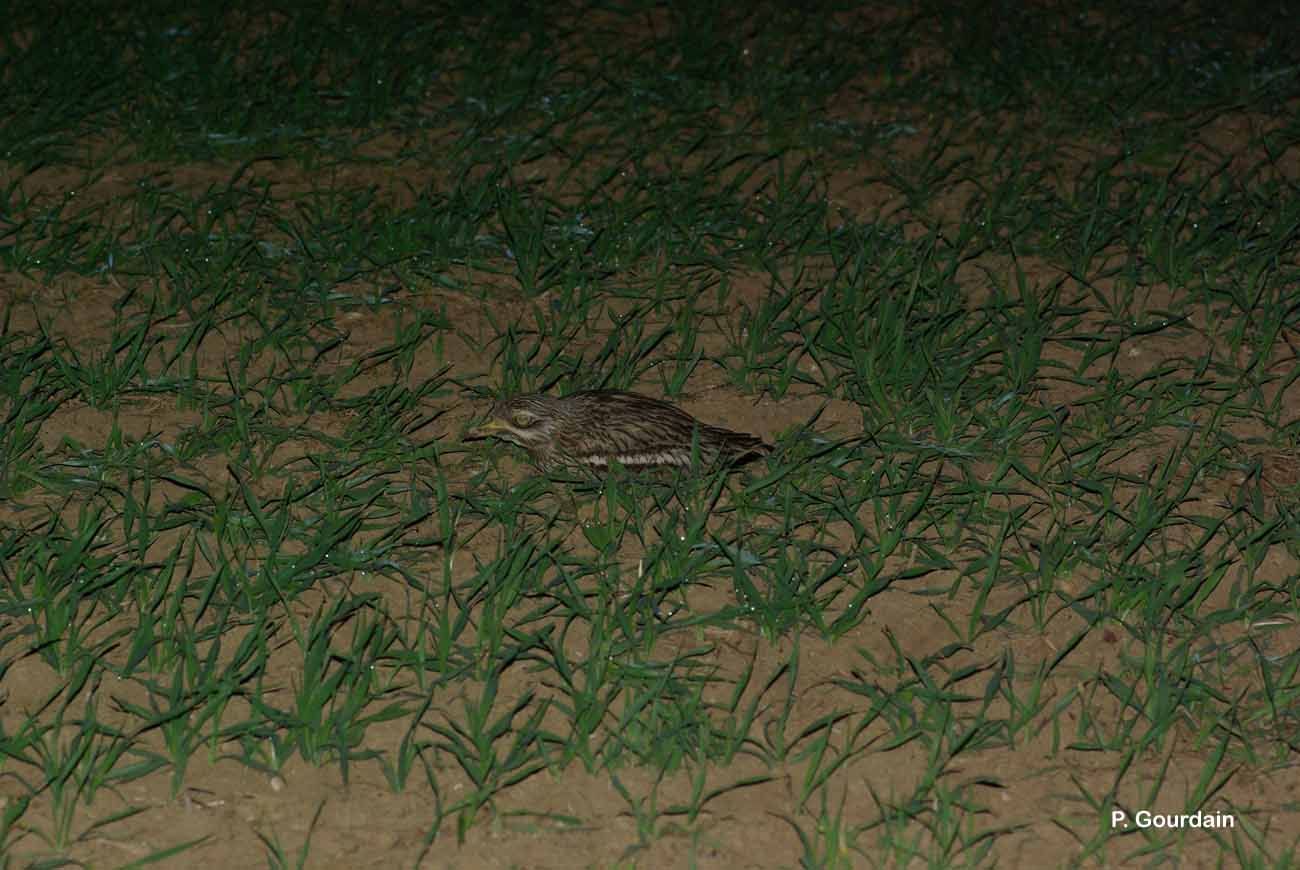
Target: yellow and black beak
486, 429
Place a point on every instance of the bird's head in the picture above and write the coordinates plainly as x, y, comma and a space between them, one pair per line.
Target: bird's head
524, 420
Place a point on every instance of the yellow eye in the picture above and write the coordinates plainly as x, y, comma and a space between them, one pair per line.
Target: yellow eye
523, 419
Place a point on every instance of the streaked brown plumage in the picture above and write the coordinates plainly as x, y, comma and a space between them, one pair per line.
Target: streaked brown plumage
594, 428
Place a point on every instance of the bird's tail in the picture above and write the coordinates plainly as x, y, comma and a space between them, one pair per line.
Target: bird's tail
739, 446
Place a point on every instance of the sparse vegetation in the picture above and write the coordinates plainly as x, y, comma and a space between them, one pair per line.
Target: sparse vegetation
1013, 289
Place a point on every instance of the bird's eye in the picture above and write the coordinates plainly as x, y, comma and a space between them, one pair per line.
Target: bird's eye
523, 419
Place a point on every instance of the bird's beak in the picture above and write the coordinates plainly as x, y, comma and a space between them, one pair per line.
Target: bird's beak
485, 429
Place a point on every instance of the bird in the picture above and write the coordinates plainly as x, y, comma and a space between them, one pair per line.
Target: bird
593, 429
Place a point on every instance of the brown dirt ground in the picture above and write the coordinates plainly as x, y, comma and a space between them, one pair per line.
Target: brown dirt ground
365, 824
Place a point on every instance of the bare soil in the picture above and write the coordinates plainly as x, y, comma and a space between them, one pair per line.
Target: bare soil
572, 817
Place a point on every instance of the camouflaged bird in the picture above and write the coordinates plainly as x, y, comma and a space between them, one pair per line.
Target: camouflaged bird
593, 429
